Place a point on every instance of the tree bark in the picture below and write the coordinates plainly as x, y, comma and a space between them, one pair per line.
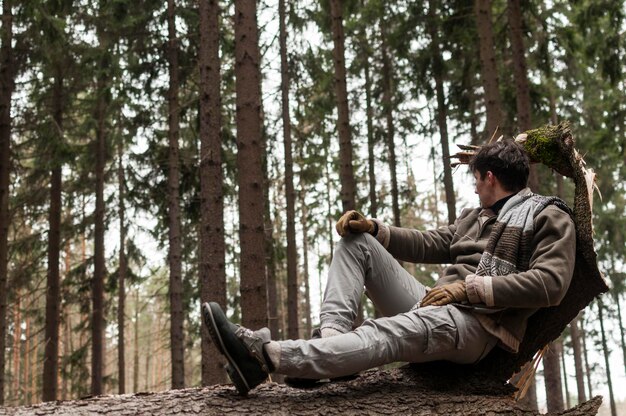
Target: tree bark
605, 350
250, 151
14, 392
518, 50
369, 113
438, 70
346, 172
136, 345
97, 319
53, 284
621, 327
292, 251
273, 297
586, 357
568, 402
7, 86
270, 260
578, 362
520, 73
305, 267
121, 278
387, 79
400, 391
175, 261
552, 375
488, 66
212, 245
330, 219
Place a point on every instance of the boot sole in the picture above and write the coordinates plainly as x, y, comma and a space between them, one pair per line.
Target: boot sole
235, 374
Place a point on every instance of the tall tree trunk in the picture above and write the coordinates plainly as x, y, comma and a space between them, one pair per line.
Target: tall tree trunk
7, 86
66, 322
175, 258
136, 344
586, 357
435, 208
329, 207
346, 172
552, 375
518, 50
305, 266
270, 260
67, 335
17, 348
605, 350
250, 148
97, 319
292, 251
27, 362
212, 246
578, 362
270, 252
387, 79
488, 66
149, 348
369, 113
441, 110
121, 297
621, 327
53, 284
34, 359
520, 73
568, 402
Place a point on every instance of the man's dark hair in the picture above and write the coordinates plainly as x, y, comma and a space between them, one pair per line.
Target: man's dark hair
507, 160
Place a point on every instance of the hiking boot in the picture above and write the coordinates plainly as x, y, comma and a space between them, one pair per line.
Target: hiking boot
248, 364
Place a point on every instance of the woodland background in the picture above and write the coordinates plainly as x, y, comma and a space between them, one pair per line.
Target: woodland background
156, 154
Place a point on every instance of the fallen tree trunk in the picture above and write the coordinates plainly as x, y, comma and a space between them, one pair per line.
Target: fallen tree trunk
398, 391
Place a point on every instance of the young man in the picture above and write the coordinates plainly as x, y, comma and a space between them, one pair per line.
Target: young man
508, 258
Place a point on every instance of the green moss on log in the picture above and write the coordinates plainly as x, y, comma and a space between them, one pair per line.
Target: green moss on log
545, 145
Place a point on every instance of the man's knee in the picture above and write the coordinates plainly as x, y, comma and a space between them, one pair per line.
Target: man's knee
350, 242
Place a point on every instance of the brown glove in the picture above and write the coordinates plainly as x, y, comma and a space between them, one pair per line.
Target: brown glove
442, 295
354, 222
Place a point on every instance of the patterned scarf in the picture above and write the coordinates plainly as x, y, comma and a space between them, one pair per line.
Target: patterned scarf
510, 242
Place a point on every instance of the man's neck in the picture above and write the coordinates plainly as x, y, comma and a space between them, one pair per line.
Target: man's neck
497, 206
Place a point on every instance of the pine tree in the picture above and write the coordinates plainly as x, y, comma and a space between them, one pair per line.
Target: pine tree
7, 86
175, 237
122, 272
346, 172
488, 66
437, 71
250, 166
100, 146
212, 250
292, 251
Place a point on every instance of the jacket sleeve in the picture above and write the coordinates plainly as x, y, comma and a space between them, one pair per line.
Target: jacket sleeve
416, 246
550, 270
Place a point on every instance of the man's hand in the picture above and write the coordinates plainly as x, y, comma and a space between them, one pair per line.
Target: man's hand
354, 222
442, 295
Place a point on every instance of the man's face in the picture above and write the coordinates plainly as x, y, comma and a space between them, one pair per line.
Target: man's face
484, 187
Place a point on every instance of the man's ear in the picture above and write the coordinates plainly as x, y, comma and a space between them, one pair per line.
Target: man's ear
490, 177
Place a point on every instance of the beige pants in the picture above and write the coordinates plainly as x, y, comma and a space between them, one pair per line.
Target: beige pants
419, 335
